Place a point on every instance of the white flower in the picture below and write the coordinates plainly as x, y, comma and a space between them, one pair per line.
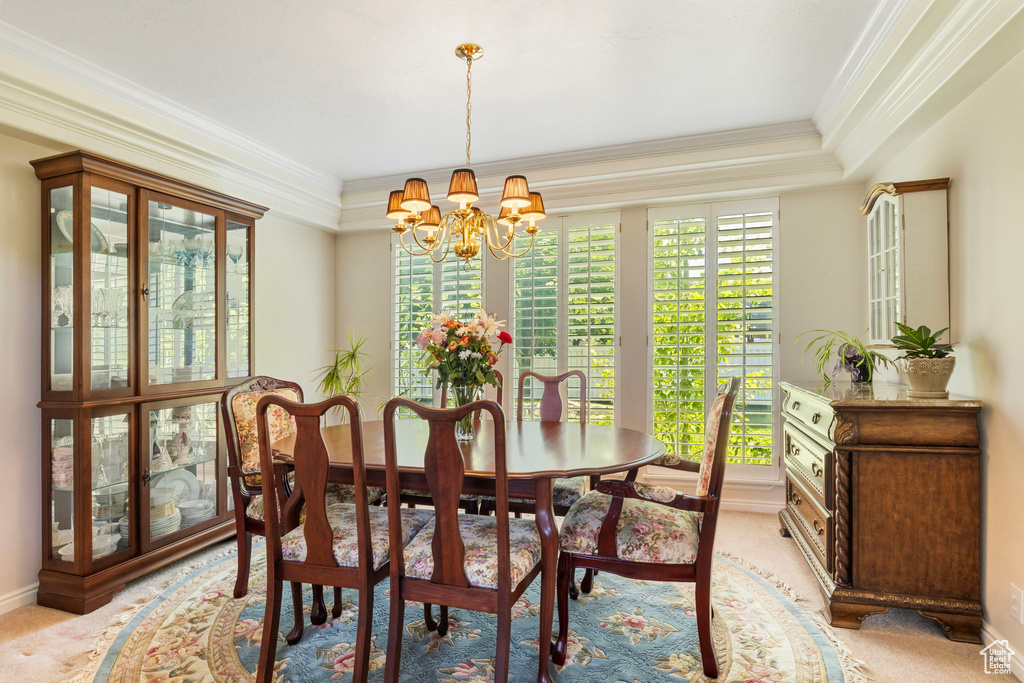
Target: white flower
465, 353
442, 317
476, 354
488, 324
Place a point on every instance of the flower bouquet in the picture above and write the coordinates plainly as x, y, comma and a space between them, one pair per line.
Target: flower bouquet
464, 356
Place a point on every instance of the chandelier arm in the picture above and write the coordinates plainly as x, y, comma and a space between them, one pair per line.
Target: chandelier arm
445, 228
507, 254
493, 238
427, 249
408, 249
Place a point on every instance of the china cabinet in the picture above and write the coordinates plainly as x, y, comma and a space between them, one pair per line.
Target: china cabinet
908, 257
146, 319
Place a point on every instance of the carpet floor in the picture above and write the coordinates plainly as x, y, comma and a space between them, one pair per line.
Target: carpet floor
40, 644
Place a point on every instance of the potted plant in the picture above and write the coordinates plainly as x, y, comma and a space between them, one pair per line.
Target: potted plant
927, 364
850, 353
346, 375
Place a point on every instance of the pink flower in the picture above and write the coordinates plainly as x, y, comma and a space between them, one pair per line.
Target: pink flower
634, 621
465, 670
438, 336
642, 528
423, 339
345, 662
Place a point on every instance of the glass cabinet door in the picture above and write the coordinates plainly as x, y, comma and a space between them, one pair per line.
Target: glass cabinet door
62, 489
182, 294
238, 287
109, 287
62, 291
111, 504
182, 445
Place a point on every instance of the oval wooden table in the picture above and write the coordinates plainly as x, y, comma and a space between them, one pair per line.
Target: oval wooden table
536, 454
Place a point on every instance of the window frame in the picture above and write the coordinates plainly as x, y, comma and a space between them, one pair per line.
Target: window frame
566, 223
711, 211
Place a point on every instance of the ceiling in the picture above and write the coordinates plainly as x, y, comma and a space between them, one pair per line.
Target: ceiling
362, 89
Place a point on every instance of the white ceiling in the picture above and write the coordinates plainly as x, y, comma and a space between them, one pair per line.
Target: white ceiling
361, 89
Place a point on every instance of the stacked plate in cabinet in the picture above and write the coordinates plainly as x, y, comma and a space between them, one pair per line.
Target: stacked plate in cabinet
164, 517
195, 511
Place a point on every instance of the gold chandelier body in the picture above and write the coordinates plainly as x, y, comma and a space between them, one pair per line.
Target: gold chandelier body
464, 231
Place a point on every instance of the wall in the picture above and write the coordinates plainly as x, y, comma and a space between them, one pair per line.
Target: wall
294, 331
979, 145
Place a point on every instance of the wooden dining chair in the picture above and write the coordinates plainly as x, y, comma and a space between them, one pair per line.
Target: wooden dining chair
316, 541
238, 410
652, 533
470, 504
472, 562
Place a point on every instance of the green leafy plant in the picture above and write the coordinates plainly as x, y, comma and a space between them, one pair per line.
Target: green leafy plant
849, 352
347, 374
920, 343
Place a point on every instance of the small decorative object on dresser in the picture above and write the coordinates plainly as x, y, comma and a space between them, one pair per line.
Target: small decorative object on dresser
850, 355
883, 500
928, 365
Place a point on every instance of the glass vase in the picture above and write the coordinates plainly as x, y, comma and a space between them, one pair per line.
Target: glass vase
464, 428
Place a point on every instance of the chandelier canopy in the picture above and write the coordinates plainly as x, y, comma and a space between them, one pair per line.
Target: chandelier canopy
463, 231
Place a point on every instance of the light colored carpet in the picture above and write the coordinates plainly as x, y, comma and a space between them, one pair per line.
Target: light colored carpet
40, 644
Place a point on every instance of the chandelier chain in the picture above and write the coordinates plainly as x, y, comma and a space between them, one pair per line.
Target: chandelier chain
469, 105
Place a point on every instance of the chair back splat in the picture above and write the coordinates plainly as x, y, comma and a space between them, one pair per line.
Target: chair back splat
551, 407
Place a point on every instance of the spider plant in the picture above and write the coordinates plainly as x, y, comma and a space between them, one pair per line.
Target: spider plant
347, 374
849, 352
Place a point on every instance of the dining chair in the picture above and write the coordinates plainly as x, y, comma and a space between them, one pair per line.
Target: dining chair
472, 562
652, 533
470, 504
317, 541
238, 410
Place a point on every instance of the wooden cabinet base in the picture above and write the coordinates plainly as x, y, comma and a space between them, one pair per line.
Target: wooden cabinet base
84, 594
851, 614
963, 628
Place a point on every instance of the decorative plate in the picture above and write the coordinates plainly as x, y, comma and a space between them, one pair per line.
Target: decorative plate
66, 224
184, 484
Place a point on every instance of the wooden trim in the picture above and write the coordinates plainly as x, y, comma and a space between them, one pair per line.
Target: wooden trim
894, 189
81, 161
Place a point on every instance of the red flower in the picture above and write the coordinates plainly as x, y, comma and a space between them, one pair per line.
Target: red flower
452, 324
505, 337
492, 358
465, 340
452, 346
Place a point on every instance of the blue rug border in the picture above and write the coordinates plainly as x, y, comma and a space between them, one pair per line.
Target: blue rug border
832, 664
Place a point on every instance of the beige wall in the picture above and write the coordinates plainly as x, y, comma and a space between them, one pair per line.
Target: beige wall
294, 332
980, 146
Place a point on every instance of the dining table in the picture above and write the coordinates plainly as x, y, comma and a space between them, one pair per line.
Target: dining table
536, 453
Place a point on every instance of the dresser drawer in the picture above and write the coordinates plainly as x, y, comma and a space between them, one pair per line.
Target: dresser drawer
810, 410
813, 523
808, 460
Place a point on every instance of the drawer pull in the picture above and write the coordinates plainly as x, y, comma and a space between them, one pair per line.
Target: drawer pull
816, 469
815, 418
796, 405
795, 499
818, 529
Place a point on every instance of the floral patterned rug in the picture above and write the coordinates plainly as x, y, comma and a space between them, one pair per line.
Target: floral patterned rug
623, 631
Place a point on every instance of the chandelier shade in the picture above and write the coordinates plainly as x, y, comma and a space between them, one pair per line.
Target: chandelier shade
423, 230
415, 196
462, 188
517, 192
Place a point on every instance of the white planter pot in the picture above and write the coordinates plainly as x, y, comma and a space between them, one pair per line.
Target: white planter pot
928, 377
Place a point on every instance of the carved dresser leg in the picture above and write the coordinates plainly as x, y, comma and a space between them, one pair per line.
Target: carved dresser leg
852, 614
783, 529
963, 628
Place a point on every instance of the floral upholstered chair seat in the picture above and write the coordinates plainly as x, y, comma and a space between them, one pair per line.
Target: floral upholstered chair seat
335, 494
646, 531
480, 537
565, 492
345, 543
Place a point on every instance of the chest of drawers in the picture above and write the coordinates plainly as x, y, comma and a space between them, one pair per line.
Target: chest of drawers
883, 500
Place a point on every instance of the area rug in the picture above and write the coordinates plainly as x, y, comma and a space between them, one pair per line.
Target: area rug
623, 630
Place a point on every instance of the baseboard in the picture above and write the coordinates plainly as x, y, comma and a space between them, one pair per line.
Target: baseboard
989, 635
17, 598
742, 496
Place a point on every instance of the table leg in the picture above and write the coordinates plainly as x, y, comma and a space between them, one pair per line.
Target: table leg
549, 560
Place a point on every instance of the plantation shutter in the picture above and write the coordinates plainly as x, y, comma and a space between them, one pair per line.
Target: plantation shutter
535, 315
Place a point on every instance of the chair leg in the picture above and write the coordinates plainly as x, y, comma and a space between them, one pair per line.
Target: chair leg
395, 631
563, 581
442, 624
336, 612
363, 632
295, 635
428, 617
271, 623
587, 584
244, 553
704, 611
318, 611
472, 507
504, 641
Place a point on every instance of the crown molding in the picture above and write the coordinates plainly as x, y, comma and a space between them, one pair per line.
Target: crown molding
792, 130
614, 184
935, 55
47, 92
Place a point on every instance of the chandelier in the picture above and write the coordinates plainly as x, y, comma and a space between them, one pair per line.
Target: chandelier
462, 231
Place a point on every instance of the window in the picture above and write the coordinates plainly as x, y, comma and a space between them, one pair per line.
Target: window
711, 320
563, 303
419, 287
